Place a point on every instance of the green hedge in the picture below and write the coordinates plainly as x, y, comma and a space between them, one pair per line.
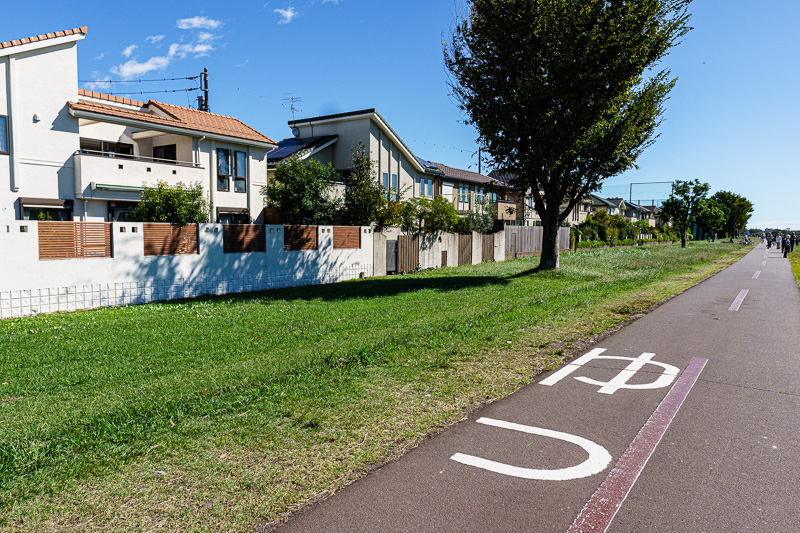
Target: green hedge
591, 244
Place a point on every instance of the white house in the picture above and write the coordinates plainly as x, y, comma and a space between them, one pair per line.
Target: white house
71, 154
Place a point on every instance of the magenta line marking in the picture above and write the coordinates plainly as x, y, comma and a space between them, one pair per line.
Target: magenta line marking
738, 301
607, 500
758, 273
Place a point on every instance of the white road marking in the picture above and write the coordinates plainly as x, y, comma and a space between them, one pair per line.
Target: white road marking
763, 263
598, 460
758, 273
620, 381
738, 301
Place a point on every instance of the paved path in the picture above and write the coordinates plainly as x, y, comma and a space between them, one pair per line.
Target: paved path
726, 398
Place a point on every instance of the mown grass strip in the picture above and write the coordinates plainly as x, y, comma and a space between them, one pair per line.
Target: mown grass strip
224, 412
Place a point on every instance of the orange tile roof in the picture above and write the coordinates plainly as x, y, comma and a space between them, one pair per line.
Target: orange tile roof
179, 117
211, 122
44, 37
110, 98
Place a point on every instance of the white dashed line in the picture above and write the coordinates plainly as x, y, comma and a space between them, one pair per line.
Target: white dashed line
758, 273
738, 301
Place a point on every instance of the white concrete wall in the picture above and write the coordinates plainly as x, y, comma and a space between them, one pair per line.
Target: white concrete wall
29, 286
430, 251
477, 248
38, 82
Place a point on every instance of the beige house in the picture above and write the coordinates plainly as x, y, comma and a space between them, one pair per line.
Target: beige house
470, 191
331, 139
72, 154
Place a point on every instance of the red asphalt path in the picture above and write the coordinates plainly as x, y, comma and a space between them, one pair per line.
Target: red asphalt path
726, 461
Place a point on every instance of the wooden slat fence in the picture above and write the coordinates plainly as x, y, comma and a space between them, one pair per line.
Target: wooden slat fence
464, 250
297, 238
243, 238
74, 240
169, 239
526, 241
487, 248
346, 237
408, 253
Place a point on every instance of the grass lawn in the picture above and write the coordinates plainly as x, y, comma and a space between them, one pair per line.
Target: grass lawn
229, 413
794, 260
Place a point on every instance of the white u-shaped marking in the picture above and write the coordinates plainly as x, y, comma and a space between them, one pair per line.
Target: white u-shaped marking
598, 459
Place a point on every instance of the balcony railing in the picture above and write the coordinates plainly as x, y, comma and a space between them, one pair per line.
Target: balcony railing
117, 155
122, 173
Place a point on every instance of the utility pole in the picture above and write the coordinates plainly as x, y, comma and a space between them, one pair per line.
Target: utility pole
202, 101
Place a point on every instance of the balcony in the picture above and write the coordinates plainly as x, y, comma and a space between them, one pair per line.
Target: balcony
117, 176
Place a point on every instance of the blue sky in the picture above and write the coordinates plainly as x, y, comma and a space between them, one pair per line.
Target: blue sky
731, 121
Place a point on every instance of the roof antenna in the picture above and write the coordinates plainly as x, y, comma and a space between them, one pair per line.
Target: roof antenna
202, 100
292, 100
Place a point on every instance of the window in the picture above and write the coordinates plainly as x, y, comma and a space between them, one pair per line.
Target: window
394, 187
530, 202
386, 181
45, 209
478, 196
240, 167
223, 169
492, 197
463, 194
3, 134
106, 148
426, 187
166, 154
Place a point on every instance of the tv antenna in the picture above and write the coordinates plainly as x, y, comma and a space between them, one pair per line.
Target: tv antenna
292, 101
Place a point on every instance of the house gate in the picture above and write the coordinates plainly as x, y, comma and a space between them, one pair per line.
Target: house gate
408, 253
464, 250
487, 248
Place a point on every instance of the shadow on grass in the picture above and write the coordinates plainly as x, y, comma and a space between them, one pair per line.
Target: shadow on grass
369, 288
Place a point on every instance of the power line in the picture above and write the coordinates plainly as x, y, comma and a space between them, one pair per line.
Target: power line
154, 92
138, 81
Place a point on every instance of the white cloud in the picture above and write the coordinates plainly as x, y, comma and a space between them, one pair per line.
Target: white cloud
334, 2
198, 22
197, 50
101, 56
128, 51
286, 14
154, 39
98, 83
204, 36
133, 68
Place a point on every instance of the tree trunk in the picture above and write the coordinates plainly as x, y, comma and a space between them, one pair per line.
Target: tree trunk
549, 258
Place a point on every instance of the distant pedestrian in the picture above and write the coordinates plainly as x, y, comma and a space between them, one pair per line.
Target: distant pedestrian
792, 241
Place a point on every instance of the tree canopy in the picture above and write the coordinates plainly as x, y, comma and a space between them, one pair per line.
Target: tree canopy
739, 211
683, 204
180, 204
302, 192
364, 198
557, 91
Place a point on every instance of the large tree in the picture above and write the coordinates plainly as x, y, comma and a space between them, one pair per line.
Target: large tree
563, 93
711, 216
684, 205
739, 211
